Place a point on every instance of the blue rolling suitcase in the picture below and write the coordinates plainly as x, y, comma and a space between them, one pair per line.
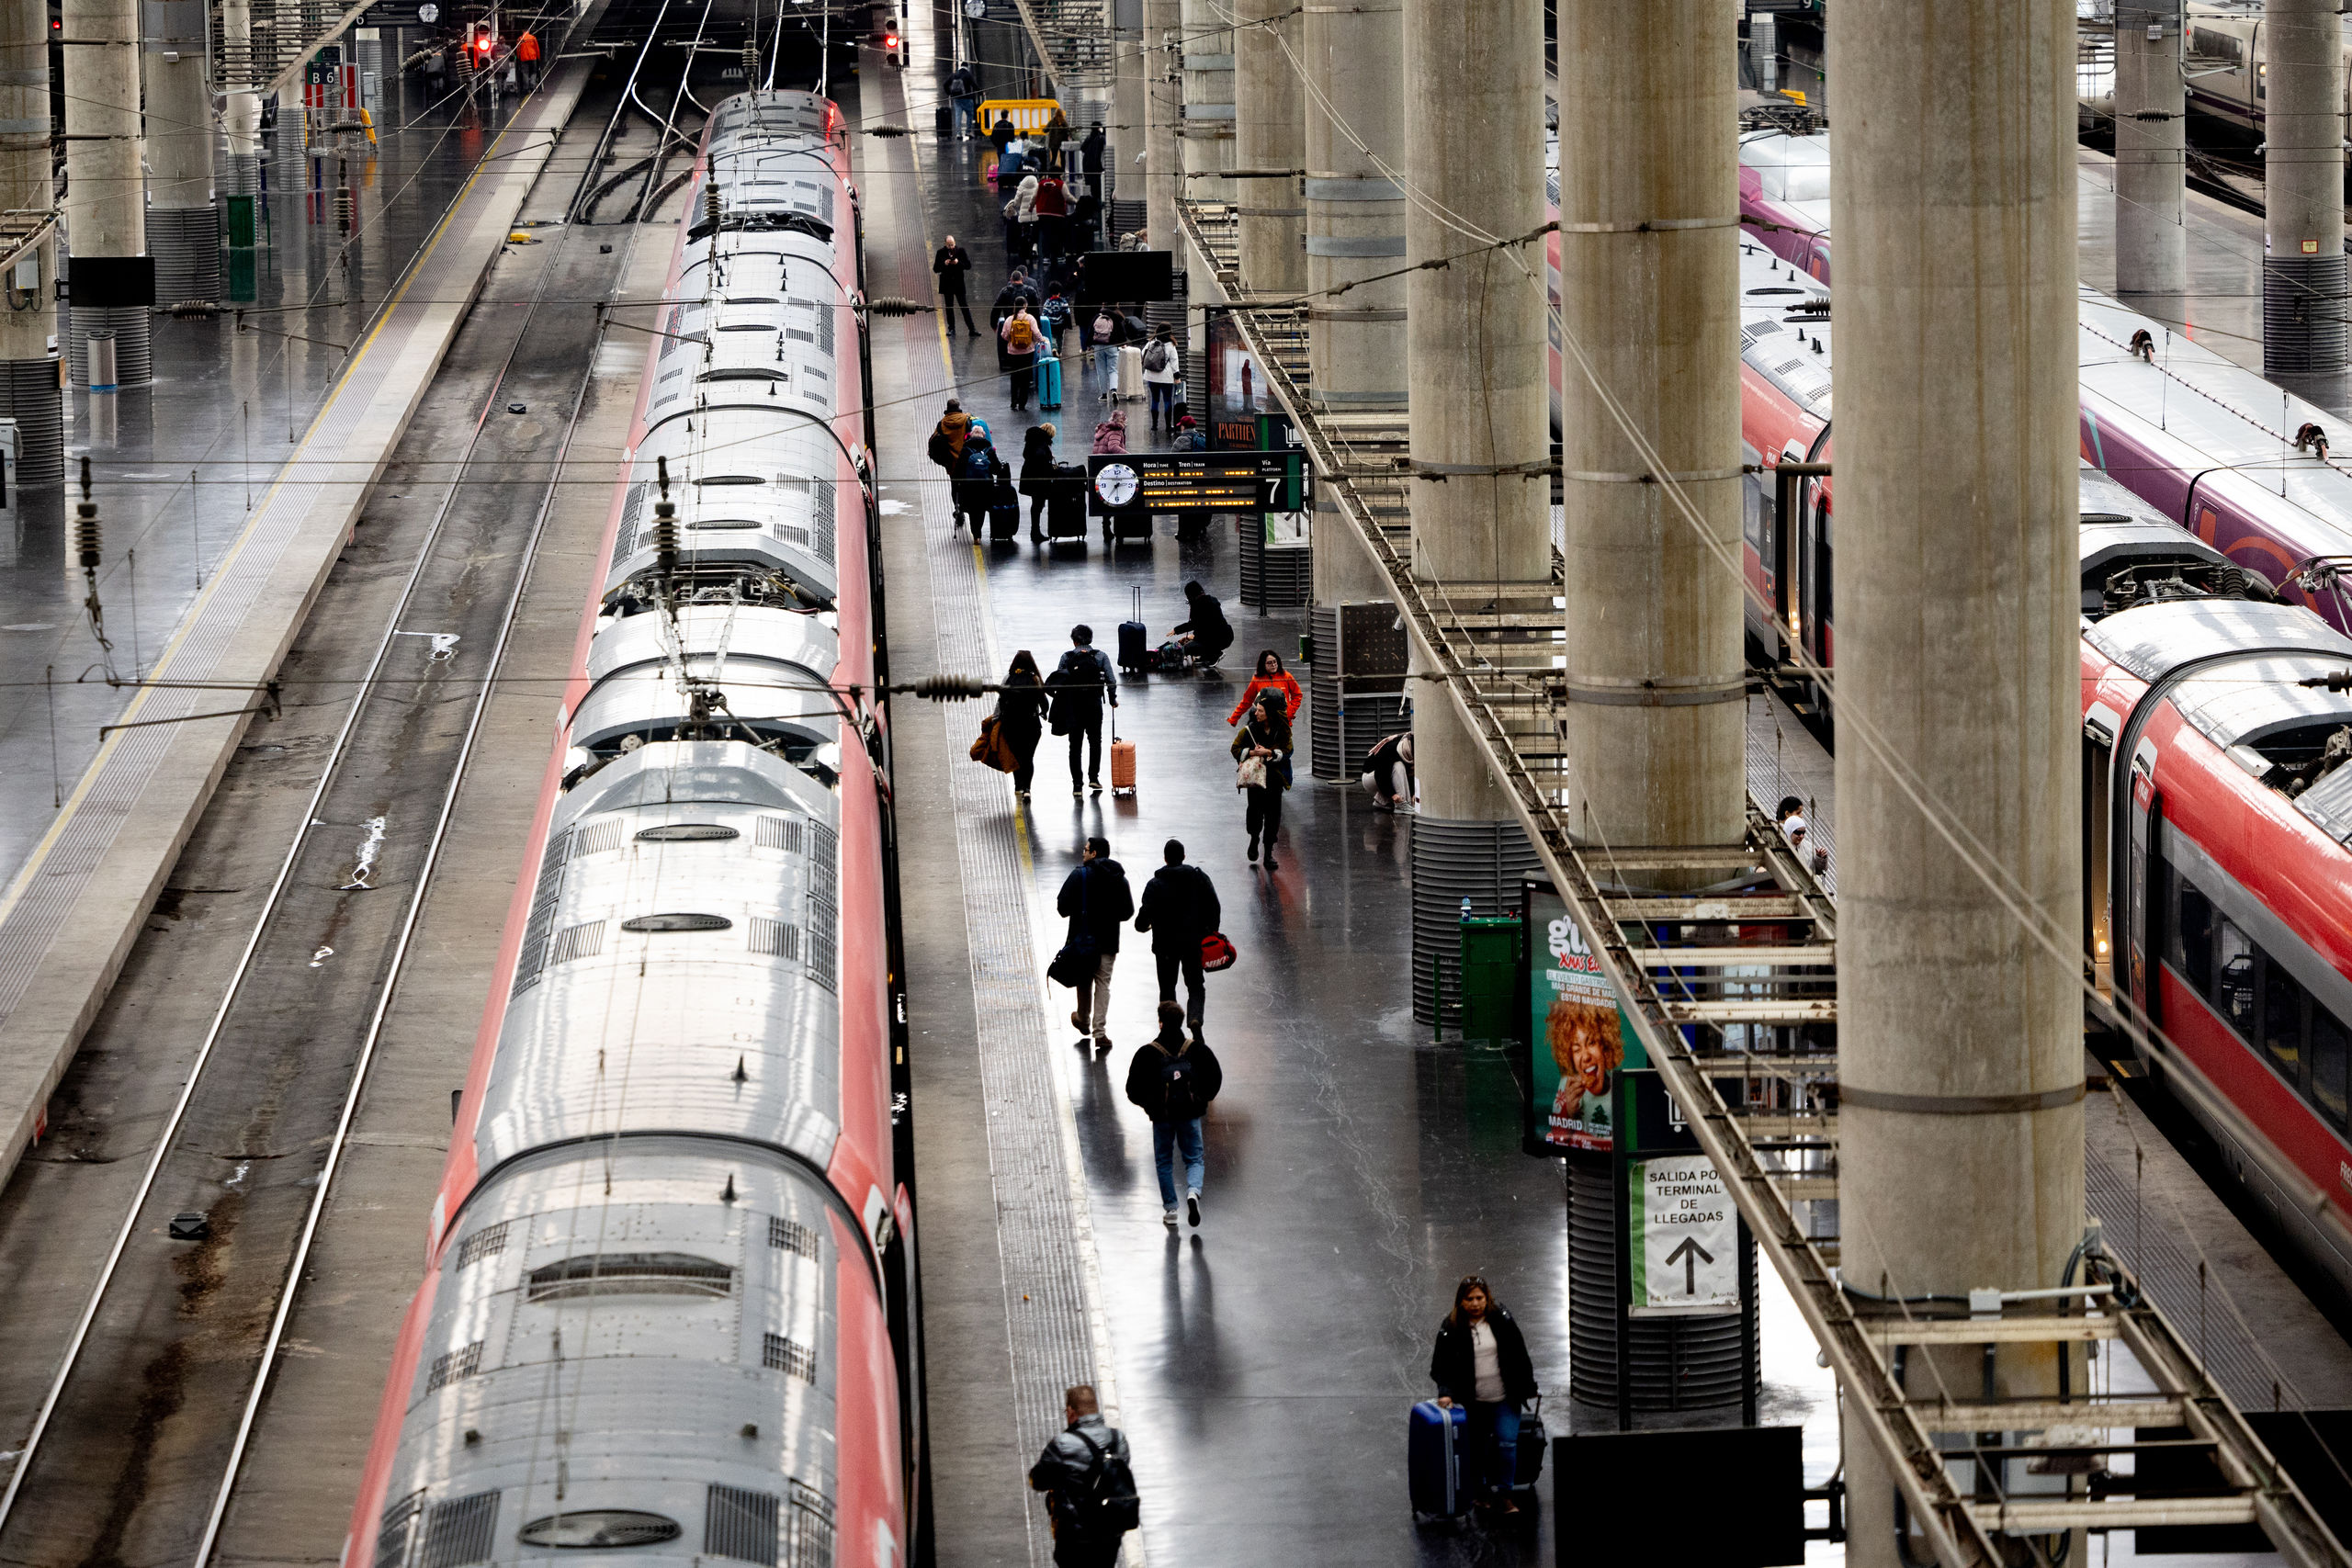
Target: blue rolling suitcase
1049, 381
1433, 1459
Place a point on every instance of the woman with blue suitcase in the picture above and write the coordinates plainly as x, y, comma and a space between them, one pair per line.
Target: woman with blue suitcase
1481, 1363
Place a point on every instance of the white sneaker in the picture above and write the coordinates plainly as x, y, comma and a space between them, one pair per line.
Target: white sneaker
1168, 1219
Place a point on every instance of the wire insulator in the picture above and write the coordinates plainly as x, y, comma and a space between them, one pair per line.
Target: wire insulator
710, 202
345, 208
897, 305
949, 688
87, 531
887, 131
195, 310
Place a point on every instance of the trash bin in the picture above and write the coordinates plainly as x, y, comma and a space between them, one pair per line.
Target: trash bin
102, 378
1491, 978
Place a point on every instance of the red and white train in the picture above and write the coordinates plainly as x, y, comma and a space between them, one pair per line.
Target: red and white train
668, 1305
2217, 808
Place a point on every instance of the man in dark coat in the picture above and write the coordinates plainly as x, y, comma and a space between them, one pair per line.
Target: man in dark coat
1172, 1081
954, 265
1205, 632
1179, 909
1086, 1470
1096, 899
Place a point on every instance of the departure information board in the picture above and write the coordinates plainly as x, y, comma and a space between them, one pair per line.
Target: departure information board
1196, 481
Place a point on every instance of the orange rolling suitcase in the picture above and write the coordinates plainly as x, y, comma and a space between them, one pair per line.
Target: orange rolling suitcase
1122, 760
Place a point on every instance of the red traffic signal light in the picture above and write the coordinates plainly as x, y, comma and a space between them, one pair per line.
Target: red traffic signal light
481, 44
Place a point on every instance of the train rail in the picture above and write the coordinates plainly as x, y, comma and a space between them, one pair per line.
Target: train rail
376, 758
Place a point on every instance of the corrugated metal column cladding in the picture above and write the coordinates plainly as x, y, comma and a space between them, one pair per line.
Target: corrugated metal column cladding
655, 1318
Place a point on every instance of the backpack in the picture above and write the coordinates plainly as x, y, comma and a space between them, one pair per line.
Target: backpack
978, 464
1155, 358
1020, 336
1180, 1098
1109, 1506
1104, 327
941, 451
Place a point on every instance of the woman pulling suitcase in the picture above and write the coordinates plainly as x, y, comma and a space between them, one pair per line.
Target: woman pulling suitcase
1481, 1363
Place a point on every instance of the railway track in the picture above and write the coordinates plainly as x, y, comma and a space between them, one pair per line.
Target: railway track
180, 1282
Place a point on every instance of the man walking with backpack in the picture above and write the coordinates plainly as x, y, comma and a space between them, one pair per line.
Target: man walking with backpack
1172, 1080
1089, 1483
1179, 909
1081, 683
1022, 335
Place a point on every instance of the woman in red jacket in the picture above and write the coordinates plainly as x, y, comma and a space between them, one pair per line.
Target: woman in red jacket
1270, 677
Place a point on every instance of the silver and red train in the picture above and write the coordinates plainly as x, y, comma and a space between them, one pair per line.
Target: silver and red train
2217, 805
2239, 462
668, 1309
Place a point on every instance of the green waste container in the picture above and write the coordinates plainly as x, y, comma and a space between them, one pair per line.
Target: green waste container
1491, 978
241, 222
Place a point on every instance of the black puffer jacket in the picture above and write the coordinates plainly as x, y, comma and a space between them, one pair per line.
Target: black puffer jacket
1453, 1366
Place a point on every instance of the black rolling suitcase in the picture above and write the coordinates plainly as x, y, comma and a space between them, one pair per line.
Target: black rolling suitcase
944, 120
1065, 503
1134, 525
1134, 655
1532, 1440
1004, 520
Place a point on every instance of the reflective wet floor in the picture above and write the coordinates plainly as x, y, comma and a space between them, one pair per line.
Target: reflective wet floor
179, 466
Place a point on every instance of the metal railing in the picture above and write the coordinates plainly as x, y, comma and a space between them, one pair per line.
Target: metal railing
1743, 1033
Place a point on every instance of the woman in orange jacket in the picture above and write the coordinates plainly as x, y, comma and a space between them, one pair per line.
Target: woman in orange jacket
1270, 677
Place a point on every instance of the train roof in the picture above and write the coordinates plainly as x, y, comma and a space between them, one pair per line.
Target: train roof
2119, 528
1784, 327
2237, 422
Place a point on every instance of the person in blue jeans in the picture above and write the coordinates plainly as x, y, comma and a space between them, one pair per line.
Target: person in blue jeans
1481, 1363
1173, 1079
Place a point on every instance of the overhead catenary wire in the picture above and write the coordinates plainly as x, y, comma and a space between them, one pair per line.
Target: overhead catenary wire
1940, 815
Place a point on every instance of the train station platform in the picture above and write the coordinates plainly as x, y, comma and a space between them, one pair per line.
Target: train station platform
228, 490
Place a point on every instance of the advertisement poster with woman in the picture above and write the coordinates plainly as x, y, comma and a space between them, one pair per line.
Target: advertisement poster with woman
1579, 1037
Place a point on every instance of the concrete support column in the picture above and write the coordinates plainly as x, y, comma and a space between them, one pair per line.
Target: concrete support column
1959, 1036
241, 105
1478, 351
2303, 271
1355, 214
1123, 187
28, 391
1207, 148
106, 191
2150, 154
1649, 602
184, 221
1270, 133
1164, 87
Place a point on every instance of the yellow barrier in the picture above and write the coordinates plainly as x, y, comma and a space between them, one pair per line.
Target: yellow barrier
1028, 114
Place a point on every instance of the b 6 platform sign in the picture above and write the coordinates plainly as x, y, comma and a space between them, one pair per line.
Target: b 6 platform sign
1684, 1245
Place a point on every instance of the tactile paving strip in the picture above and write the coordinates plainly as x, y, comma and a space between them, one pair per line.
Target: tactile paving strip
1038, 1219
